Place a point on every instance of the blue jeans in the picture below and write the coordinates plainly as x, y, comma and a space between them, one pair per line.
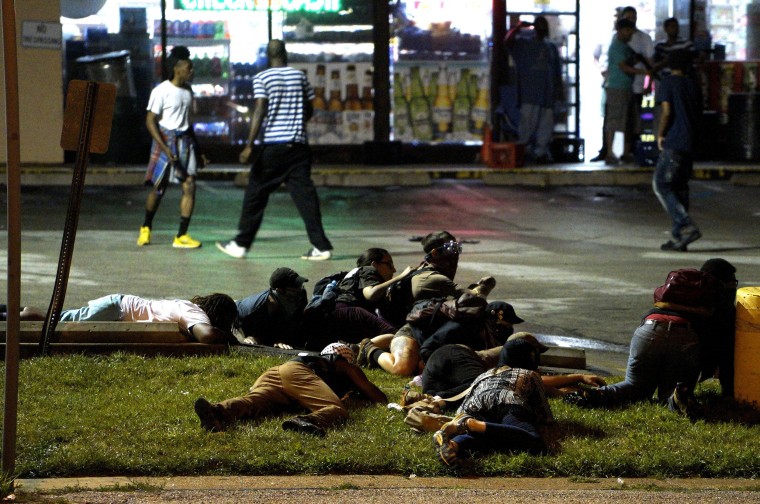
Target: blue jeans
513, 433
671, 186
661, 355
104, 309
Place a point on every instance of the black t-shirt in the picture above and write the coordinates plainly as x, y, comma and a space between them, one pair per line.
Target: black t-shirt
350, 288
450, 370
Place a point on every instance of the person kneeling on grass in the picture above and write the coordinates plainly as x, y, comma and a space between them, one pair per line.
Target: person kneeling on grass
206, 319
502, 410
318, 384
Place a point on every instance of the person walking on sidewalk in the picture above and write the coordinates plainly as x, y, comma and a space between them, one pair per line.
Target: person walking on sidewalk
174, 154
282, 106
681, 104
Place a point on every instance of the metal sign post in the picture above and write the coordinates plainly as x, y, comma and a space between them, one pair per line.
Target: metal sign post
86, 128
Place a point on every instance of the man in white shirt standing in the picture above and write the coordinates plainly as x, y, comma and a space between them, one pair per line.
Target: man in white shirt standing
174, 154
643, 47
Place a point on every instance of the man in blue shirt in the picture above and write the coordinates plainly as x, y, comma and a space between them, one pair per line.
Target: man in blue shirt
539, 85
282, 105
681, 103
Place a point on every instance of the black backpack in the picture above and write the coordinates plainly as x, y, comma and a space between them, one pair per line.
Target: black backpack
319, 286
399, 300
322, 302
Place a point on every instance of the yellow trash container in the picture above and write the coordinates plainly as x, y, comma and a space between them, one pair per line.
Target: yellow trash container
747, 350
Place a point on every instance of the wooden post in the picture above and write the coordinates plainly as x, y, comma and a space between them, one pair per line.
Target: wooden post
10, 412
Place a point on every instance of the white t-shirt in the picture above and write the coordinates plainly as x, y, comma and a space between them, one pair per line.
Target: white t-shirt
642, 44
172, 105
184, 313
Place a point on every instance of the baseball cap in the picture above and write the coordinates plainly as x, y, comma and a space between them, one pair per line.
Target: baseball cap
284, 278
526, 336
503, 311
340, 349
519, 353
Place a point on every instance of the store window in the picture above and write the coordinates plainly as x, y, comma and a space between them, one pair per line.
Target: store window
330, 40
440, 75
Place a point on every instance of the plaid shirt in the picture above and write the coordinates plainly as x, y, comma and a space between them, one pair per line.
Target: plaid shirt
496, 391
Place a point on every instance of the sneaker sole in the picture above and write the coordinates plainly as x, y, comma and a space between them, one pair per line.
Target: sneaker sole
316, 258
438, 441
224, 251
180, 246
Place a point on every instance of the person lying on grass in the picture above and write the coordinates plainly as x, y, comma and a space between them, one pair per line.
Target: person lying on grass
452, 368
502, 411
317, 383
206, 319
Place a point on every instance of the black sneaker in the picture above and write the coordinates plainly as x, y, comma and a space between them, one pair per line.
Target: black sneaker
682, 401
365, 348
300, 424
599, 157
210, 418
671, 245
689, 237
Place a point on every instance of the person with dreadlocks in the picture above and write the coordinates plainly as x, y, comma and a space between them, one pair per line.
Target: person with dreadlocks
206, 319
175, 155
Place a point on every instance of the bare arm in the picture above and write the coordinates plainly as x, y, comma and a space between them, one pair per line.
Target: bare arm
151, 122
257, 118
206, 333
664, 120
360, 381
559, 381
377, 292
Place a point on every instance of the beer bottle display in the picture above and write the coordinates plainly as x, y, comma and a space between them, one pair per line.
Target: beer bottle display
367, 101
442, 106
368, 116
401, 128
431, 90
419, 108
462, 105
480, 109
320, 83
352, 116
352, 90
335, 104
319, 122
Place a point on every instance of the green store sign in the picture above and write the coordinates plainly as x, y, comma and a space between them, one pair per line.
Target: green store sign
258, 5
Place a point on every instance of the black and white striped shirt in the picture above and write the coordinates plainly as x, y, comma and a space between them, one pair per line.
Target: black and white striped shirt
285, 90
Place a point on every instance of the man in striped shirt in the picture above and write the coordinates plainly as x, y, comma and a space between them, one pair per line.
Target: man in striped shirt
282, 105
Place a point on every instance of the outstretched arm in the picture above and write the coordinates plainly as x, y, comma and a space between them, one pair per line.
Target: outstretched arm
206, 333
360, 381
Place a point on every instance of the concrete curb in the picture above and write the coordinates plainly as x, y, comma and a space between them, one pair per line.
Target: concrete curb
577, 174
380, 481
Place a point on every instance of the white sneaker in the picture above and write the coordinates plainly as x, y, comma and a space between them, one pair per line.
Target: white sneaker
317, 255
232, 249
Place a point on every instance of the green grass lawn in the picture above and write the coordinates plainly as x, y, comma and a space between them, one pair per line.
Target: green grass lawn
133, 416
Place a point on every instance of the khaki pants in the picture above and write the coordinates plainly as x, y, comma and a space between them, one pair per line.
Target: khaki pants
288, 387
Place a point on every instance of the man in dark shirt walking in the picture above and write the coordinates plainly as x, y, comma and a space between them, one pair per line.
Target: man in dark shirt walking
282, 106
681, 105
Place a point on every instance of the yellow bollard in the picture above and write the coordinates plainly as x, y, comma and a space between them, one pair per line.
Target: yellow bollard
747, 350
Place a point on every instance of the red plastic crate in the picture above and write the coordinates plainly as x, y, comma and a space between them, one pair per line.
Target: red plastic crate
505, 155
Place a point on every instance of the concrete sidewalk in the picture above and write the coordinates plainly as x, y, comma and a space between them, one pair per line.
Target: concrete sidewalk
382, 488
360, 175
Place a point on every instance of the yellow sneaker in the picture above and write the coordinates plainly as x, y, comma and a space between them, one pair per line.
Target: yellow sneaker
185, 241
144, 237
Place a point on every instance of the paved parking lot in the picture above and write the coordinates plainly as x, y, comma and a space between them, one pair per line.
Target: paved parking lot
577, 262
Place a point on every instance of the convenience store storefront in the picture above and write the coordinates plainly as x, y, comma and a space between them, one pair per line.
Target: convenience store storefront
422, 73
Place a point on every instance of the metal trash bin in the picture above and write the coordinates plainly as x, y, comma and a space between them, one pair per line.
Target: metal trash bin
744, 126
